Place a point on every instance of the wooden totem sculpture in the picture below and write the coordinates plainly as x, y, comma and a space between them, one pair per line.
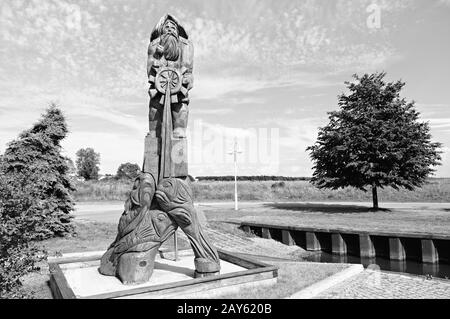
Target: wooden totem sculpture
161, 198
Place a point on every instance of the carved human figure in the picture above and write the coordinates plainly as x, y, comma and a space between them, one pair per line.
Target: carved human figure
141, 231
154, 211
175, 198
169, 47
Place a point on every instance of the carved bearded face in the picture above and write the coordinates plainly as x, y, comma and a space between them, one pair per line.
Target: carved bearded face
169, 41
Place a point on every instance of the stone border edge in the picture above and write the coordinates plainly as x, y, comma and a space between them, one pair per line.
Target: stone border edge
256, 271
325, 284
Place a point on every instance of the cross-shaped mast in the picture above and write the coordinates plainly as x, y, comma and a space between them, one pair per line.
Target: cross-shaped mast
235, 152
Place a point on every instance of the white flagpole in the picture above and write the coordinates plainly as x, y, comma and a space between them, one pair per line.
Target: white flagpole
235, 152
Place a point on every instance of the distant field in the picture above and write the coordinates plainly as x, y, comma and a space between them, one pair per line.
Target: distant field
98, 191
436, 190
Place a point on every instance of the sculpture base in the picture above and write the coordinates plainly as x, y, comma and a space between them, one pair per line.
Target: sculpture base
205, 274
135, 268
78, 277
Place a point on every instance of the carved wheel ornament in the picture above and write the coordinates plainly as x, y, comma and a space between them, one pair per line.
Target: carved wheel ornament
168, 77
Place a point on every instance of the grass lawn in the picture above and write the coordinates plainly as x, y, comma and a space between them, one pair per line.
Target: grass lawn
90, 236
292, 277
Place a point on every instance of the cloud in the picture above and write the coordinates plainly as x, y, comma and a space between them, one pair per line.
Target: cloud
114, 148
212, 111
444, 2
83, 45
252, 66
438, 123
212, 87
310, 33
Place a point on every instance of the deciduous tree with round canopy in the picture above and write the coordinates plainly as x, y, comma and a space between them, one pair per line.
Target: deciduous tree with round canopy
128, 171
88, 163
374, 140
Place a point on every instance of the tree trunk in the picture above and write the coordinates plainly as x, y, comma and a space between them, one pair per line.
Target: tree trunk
375, 197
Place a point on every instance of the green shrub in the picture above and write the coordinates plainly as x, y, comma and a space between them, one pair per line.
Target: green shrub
278, 185
88, 162
20, 222
128, 171
35, 199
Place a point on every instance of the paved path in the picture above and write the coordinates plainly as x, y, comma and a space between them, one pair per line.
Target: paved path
371, 284
252, 247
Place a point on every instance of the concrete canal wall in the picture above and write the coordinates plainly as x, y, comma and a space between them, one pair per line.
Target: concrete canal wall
423, 247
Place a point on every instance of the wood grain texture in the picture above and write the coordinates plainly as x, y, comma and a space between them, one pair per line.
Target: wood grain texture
58, 283
256, 271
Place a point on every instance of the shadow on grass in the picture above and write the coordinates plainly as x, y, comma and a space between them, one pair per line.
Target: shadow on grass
325, 208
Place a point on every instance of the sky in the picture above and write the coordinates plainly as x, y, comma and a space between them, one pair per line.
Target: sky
265, 73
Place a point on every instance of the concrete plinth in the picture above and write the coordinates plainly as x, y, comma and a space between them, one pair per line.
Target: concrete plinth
339, 247
396, 249
85, 280
398, 265
79, 278
429, 251
341, 259
430, 269
266, 233
312, 242
366, 247
287, 238
366, 261
246, 229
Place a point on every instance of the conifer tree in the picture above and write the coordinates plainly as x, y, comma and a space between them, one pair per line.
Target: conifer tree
34, 167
